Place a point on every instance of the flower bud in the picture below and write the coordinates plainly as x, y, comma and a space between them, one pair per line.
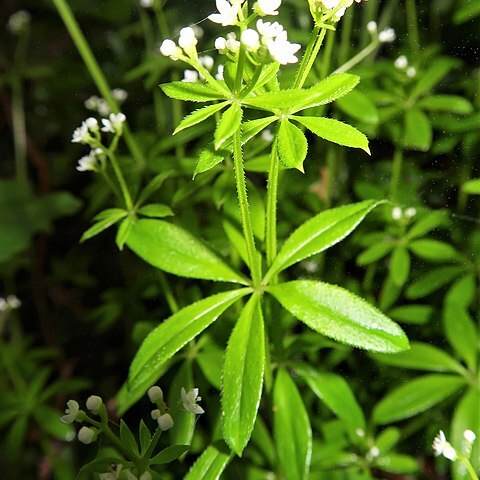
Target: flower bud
86, 435
94, 402
165, 421
155, 394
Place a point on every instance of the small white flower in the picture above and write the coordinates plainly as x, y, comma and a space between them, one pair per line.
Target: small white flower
282, 50
232, 43
92, 124
207, 61
268, 30
169, 48
71, 412
401, 62
13, 302
469, 436
190, 399
267, 135
374, 452
155, 394
360, 432
228, 12
221, 44
19, 21
119, 94
165, 421
219, 74
86, 435
410, 212
3, 304
450, 453
387, 36
81, 134
188, 40
91, 103
250, 39
372, 27
411, 72
94, 402
88, 162
146, 3
329, 4
190, 76
114, 123
267, 7
397, 213
442, 447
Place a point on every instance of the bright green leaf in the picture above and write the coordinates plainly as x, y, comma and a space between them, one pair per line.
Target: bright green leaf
191, 91
292, 145
433, 250
100, 226
400, 266
155, 210
359, 106
169, 454
417, 134
199, 116
446, 103
210, 465
229, 123
472, 187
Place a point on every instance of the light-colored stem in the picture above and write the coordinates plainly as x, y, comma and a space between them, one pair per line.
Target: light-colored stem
370, 48
121, 181
272, 191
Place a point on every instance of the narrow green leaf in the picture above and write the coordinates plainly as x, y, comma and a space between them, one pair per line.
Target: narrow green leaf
415, 314
427, 224
194, 92
292, 145
359, 106
319, 233
173, 249
199, 116
417, 134
111, 219
337, 395
397, 463
433, 250
210, 158
169, 454
422, 356
110, 212
446, 103
374, 253
171, 335
155, 210
243, 376
335, 131
145, 436
339, 314
237, 240
415, 397
210, 464
253, 127
228, 125
128, 439
292, 431
432, 281
153, 185
400, 266
472, 187
439, 67
274, 101
124, 231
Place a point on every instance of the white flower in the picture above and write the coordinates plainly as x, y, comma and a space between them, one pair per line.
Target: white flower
228, 12
219, 74
18, 21
190, 76
86, 435
410, 212
268, 30
114, 123
221, 44
267, 135
282, 50
401, 62
190, 399
387, 35
92, 124
250, 39
146, 3
88, 162
188, 40
267, 7
119, 94
372, 27
81, 134
207, 61
360, 432
168, 48
232, 43
94, 402
3, 304
330, 4
374, 452
442, 447
71, 412
411, 72
165, 421
155, 394
397, 213
469, 436
13, 302
91, 103
145, 476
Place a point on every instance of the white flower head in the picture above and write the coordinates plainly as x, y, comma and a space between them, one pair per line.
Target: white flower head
92, 124
401, 62
207, 61
88, 163
94, 403
19, 21
169, 48
190, 76
87, 435
397, 213
268, 30
190, 399
219, 74
469, 436
81, 134
282, 50
411, 72
221, 45
387, 36
267, 135
232, 43
13, 302
372, 27
155, 394
188, 40
442, 447
3, 304
410, 212
114, 123
266, 7
250, 39
71, 412
228, 12
165, 421
119, 94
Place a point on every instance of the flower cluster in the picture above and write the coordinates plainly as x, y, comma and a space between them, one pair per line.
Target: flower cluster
160, 414
99, 105
9, 303
385, 36
331, 9
442, 447
401, 63
398, 213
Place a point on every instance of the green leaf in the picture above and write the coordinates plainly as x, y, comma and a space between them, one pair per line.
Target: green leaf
397, 463
128, 439
415, 314
433, 250
169, 454
237, 240
243, 376
124, 231
253, 127
199, 116
155, 210
439, 67
335, 131
427, 224
171, 335
173, 249
337, 395
292, 431
145, 436
210, 158
463, 292
375, 252
415, 397
319, 233
110, 219
422, 356
339, 314
446, 103
273, 101
417, 134
269, 72
292, 145
472, 187
466, 417
469, 11
210, 464
400, 266
153, 185
359, 106
432, 281
229, 123
194, 92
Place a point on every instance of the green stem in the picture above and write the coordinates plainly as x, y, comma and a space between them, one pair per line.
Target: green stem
121, 181
244, 207
396, 173
306, 56
167, 292
468, 466
370, 48
327, 56
272, 192
346, 36
412, 27
96, 73
19, 131
110, 183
